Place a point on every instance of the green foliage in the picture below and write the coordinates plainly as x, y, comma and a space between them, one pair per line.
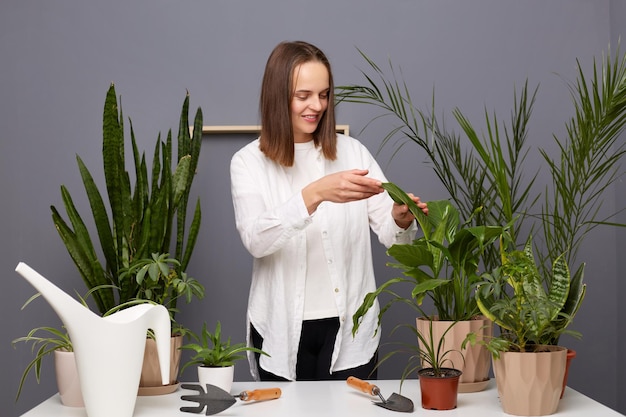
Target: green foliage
212, 351
423, 355
514, 296
143, 221
443, 264
486, 180
45, 340
158, 281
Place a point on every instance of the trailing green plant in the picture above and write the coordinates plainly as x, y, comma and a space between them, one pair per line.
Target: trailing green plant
443, 264
143, 221
529, 313
45, 340
212, 351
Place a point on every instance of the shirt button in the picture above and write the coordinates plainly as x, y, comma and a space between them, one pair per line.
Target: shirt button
336, 289
330, 261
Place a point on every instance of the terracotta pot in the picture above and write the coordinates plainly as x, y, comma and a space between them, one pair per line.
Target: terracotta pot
150, 381
571, 354
67, 379
530, 383
475, 368
439, 392
220, 376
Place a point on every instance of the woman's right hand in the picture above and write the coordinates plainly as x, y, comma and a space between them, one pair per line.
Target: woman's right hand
341, 187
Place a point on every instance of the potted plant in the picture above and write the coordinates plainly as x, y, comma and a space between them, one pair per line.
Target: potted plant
528, 313
443, 265
216, 358
49, 340
135, 223
431, 359
159, 282
489, 171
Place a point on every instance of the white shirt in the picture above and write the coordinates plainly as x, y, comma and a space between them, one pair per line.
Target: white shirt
272, 221
319, 300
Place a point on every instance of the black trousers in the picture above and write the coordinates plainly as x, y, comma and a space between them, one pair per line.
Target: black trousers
315, 353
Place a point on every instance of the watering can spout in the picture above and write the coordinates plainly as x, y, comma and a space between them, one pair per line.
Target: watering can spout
108, 350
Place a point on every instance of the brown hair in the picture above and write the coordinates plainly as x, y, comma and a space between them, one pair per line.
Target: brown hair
276, 140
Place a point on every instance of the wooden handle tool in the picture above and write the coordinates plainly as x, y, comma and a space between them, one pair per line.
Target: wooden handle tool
260, 394
365, 387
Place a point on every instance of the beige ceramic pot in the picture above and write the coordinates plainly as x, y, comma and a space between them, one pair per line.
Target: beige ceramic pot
67, 379
150, 381
475, 368
530, 383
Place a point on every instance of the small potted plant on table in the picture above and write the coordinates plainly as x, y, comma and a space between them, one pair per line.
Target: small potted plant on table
215, 358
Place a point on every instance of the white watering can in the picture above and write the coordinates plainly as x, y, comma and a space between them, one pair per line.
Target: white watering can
109, 350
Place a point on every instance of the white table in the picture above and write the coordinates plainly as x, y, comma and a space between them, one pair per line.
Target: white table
331, 398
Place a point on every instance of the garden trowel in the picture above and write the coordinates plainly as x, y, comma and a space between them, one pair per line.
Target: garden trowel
217, 400
395, 402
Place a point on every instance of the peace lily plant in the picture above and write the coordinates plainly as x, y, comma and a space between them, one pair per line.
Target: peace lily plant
443, 264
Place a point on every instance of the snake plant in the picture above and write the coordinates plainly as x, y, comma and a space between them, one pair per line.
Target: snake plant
529, 313
133, 223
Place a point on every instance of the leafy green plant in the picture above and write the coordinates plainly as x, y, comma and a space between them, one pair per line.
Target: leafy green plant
143, 221
45, 340
158, 281
486, 180
514, 296
443, 264
212, 351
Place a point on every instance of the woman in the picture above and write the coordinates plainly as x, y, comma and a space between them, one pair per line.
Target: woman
305, 199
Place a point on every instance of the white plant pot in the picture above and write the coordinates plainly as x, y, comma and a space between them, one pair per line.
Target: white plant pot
219, 376
67, 379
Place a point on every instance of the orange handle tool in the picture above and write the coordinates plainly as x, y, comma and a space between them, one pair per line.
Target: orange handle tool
260, 394
363, 386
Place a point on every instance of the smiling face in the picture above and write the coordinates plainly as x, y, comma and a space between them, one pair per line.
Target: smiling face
309, 100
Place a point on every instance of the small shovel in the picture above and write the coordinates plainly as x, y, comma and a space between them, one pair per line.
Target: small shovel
395, 402
217, 400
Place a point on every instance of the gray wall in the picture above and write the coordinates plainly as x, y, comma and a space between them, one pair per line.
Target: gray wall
58, 58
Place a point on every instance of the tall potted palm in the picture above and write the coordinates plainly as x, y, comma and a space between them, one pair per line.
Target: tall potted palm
487, 172
140, 224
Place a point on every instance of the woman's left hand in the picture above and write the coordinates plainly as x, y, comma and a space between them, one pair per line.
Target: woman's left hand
403, 216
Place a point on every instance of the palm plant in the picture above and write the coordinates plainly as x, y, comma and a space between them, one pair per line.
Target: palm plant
489, 173
143, 221
485, 182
